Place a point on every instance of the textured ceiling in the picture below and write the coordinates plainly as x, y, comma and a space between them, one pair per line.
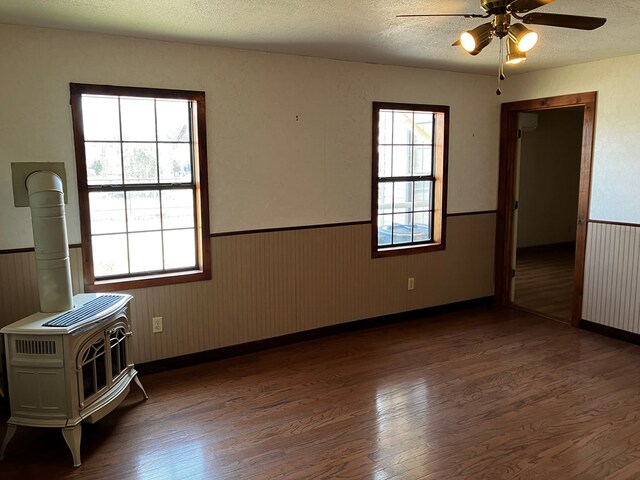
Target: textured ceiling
359, 30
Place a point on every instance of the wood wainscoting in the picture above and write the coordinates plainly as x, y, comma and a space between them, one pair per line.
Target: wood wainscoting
612, 276
271, 283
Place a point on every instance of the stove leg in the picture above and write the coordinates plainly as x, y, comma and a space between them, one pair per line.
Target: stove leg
11, 429
139, 383
72, 437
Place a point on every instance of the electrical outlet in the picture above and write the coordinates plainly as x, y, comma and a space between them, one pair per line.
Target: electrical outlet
157, 324
411, 283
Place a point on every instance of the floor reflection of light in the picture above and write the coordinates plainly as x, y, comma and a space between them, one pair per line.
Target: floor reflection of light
400, 420
381, 475
174, 460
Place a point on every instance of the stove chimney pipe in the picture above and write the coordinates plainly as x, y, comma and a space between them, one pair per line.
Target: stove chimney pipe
46, 199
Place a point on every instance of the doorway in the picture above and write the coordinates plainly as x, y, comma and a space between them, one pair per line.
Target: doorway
546, 196
548, 243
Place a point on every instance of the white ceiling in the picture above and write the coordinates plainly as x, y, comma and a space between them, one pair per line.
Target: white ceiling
360, 30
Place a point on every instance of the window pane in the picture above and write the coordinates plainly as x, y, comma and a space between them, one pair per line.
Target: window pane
423, 128
402, 196
421, 226
100, 118
138, 119
177, 209
175, 162
422, 160
109, 255
180, 248
401, 228
173, 120
384, 161
401, 161
140, 164
145, 251
385, 127
402, 127
385, 197
104, 163
384, 229
107, 212
143, 210
422, 195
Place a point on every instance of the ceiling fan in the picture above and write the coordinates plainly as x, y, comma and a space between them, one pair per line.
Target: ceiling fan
520, 39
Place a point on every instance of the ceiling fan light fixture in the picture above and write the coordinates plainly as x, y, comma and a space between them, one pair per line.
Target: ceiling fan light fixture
524, 38
473, 41
468, 41
516, 59
514, 56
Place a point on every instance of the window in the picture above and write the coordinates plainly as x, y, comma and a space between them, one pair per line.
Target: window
142, 183
409, 188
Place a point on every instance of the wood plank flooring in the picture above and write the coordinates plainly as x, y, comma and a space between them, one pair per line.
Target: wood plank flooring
544, 281
483, 394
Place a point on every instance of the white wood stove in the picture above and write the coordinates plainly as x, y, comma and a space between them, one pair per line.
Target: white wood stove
61, 375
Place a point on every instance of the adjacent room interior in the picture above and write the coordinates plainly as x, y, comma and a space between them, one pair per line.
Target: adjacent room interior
315, 240
548, 177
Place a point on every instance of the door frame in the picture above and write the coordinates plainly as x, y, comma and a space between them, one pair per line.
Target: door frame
506, 190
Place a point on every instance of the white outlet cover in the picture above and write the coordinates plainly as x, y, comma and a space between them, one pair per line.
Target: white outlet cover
156, 324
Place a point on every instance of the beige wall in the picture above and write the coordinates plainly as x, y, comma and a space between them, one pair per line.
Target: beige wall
266, 169
615, 195
549, 179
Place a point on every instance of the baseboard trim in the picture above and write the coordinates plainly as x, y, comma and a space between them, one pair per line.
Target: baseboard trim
291, 338
565, 321
610, 331
550, 247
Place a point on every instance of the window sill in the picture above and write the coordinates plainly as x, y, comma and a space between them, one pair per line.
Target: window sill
145, 281
407, 250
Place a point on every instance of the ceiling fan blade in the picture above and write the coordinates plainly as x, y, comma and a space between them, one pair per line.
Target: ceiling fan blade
565, 21
523, 6
465, 15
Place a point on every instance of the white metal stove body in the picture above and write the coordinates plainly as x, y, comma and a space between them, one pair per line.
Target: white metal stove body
60, 376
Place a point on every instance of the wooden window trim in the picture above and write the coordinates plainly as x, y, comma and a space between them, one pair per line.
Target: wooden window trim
203, 269
441, 146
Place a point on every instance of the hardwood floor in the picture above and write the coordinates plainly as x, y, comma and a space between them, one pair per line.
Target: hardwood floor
544, 280
482, 394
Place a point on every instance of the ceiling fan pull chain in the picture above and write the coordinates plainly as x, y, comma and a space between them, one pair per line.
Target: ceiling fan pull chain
500, 69
502, 57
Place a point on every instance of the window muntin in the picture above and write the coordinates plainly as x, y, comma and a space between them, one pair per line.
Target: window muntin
409, 170
141, 158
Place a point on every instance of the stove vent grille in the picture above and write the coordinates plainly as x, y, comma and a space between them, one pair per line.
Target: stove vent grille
36, 347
